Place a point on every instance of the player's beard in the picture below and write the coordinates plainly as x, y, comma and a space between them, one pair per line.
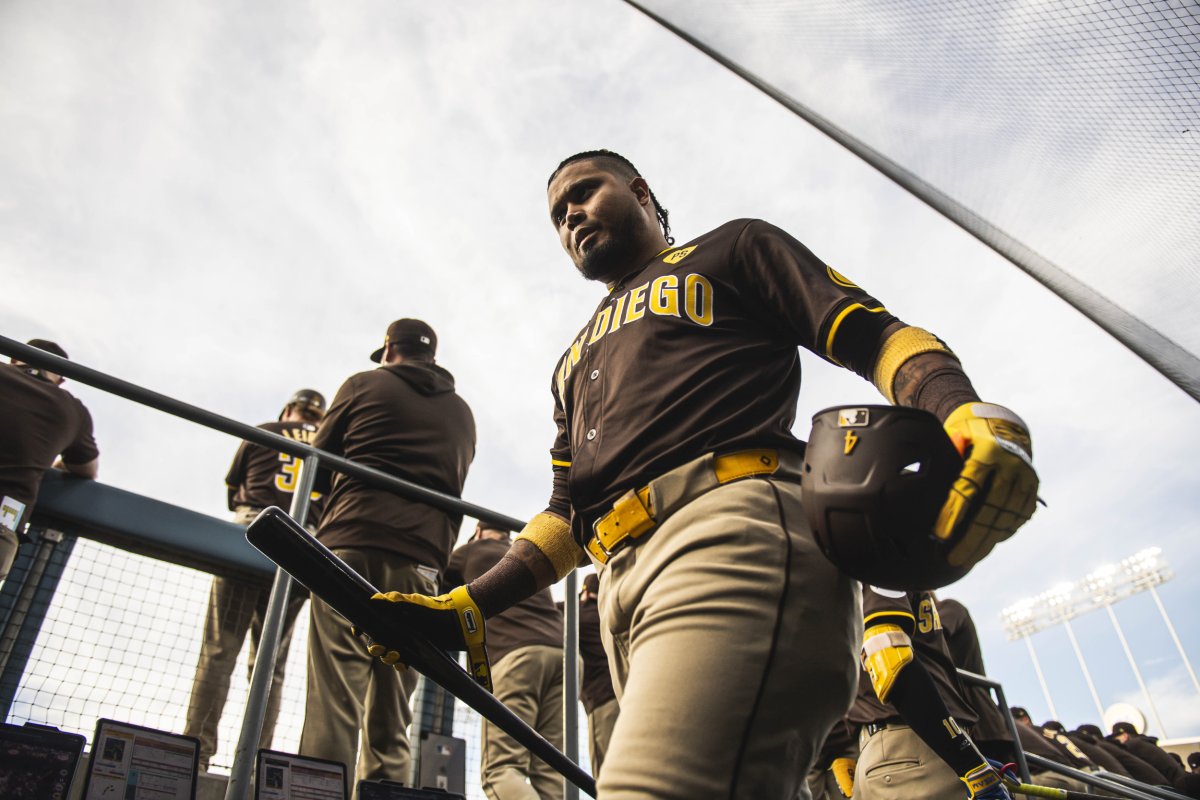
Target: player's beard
614, 257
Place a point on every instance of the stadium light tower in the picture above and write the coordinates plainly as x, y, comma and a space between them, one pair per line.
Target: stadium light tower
1100, 589
1019, 622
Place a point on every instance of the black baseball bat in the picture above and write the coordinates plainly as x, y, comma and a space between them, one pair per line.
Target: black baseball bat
298, 553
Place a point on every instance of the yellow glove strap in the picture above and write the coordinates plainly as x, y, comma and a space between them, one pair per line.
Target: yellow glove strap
886, 650
552, 536
470, 618
843, 773
898, 348
980, 779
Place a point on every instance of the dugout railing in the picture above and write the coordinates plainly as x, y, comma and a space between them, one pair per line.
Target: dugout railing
311, 459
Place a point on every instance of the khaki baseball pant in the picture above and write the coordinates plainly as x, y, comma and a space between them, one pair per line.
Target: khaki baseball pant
353, 697
529, 681
236, 606
8, 551
896, 764
601, 720
732, 643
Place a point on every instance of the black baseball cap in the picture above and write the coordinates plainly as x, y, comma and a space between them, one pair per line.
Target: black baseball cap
413, 332
48, 346
1019, 713
1091, 730
1124, 727
1053, 725
591, 582
1194, 760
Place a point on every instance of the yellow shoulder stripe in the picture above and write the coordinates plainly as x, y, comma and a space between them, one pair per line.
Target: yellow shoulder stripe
554, 462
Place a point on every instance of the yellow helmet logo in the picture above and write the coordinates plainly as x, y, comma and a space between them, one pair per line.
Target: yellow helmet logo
851, 440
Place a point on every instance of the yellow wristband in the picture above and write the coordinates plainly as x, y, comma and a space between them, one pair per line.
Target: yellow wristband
899, 348
552, 536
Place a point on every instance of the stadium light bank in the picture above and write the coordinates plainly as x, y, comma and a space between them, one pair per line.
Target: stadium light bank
1100, 588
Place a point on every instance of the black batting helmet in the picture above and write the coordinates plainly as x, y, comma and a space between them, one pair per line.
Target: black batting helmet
309, 400
875, 478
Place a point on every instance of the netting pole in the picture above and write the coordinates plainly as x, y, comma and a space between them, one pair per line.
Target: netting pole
241, 773
570, 692
1175, 363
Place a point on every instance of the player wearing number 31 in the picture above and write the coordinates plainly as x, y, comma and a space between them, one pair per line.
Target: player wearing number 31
733, 641
259, 477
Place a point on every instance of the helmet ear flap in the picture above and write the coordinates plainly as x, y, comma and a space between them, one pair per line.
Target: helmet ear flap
875, 479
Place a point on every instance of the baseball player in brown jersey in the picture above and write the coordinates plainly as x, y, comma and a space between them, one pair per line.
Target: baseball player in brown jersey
911, 708
39, 422
259, 477
676, 472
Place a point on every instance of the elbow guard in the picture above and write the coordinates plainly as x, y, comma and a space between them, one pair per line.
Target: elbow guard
552, 536
886, 650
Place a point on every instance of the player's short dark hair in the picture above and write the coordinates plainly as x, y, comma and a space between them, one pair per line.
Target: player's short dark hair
622, 166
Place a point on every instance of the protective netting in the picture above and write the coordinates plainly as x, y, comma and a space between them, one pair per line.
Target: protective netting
1065, 134
121, 639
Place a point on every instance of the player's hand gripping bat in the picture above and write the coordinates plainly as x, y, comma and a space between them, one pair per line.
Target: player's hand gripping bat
299, 554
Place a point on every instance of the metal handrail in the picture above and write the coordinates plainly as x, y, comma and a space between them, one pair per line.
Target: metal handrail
312, 458
1142, 792
139, 394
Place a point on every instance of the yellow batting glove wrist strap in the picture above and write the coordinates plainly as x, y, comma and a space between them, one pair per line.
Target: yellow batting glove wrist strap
843, 773
898, 348
980, 779
470, 619
553, 537
886, 650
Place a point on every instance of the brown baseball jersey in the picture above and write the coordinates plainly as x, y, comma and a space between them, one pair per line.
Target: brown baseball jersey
405, 420
533, 621
696, 352
261, 477
38, 422
595, 687
917, 614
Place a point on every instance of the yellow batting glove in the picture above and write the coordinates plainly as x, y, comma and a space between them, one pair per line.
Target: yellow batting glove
886, 650
843, 773
450, 621
996, 492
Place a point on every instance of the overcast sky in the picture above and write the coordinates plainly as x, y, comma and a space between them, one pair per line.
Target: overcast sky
225, 202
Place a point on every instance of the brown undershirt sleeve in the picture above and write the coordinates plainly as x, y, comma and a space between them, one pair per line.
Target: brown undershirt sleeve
933, 382
523, 572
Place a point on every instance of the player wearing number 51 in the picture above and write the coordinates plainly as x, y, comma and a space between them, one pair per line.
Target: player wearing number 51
259, 477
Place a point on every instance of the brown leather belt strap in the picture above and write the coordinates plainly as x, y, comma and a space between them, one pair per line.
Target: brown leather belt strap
632, 516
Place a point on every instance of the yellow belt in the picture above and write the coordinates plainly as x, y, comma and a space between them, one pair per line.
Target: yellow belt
632, 515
